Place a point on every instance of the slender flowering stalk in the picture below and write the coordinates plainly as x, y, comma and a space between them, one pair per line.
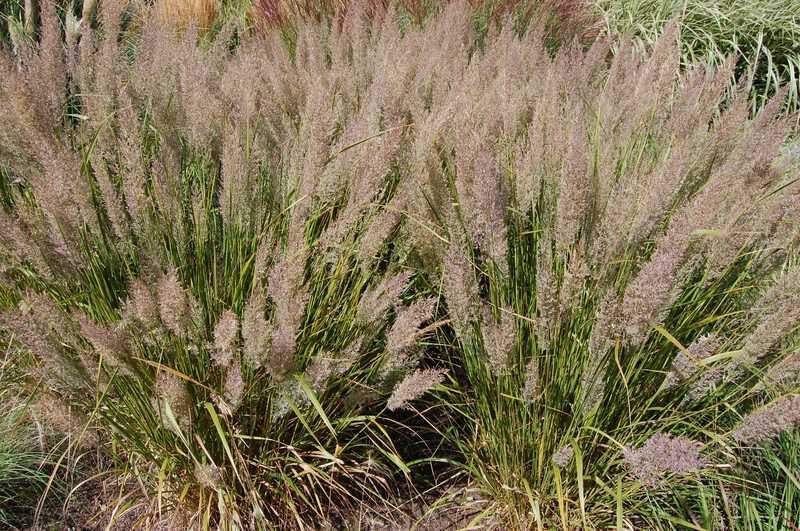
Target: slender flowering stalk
43, 328
785, 372
380, 228
780, 308
289, 295
234, 385
546, 294
60, 417
687, 363
319, 371
709, 377
112, 345
17, 243
574, 187
651, 290
482, 198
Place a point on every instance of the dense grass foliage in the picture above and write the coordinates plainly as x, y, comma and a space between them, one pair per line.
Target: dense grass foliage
23, 461
604, 284
207, 280
771, 497
235, 257
764, 33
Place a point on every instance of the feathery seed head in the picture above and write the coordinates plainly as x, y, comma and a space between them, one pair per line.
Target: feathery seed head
663, 454
112, 345
413, 386
207, 475
174, 304
141, 305
375, 302
498, 338
405, 331
686, 364
785, 372
171, 390
256, 330
531, 389
767, 423
460, 288
289, 295
226, 337
563, 456
234, 385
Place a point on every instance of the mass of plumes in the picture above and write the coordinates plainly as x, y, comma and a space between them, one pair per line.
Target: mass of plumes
413, 386
664, 454
177, 213
767, 423
228, 226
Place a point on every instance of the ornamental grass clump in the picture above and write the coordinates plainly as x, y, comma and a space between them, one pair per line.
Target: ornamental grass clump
197, 247
230, 255
613, 239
